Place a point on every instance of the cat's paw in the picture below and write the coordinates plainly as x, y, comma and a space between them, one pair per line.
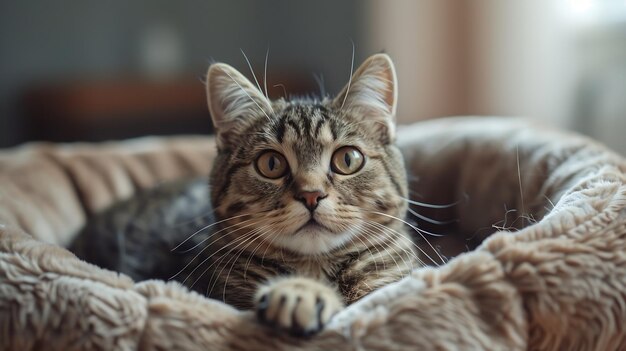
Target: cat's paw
301, 306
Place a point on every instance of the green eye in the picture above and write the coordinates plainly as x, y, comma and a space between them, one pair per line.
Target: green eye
347, 160
271, 164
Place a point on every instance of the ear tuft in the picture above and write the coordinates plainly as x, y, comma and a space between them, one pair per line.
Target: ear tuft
372, 95
233, 100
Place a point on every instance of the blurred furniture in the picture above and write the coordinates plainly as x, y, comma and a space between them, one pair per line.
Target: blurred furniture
114, 109
122, 108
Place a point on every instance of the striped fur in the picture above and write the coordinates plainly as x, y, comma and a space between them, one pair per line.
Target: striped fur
364, 245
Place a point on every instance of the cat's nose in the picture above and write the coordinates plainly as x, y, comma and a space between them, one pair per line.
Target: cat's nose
310, 199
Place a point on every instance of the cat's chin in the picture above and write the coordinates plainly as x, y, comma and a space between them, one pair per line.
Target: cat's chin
313, 239
313, 227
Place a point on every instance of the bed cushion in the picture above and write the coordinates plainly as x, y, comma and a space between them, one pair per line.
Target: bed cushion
546, 209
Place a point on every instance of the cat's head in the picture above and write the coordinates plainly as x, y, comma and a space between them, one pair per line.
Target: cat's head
307, 175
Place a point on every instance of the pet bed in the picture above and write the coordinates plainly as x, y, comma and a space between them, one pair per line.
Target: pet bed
551, 277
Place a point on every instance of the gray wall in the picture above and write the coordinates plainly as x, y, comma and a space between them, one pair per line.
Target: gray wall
43, 41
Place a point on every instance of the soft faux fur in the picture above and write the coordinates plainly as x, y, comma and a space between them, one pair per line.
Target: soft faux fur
557, 284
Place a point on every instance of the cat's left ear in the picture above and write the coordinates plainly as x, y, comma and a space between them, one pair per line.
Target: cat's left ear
233, 100
372, 95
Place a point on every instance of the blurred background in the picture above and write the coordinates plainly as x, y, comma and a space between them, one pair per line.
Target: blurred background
83, 70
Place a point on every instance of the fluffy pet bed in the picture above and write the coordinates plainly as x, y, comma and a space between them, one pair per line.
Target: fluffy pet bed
552, 277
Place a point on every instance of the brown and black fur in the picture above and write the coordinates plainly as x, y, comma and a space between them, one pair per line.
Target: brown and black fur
356, 268
266, 256
260, 252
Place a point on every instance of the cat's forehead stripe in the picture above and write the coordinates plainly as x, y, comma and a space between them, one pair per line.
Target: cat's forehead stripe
318, 126
302, 127
303, 121
279, 127
295, 127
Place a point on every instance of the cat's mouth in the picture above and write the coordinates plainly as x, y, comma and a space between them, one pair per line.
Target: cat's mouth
312, 226
313, 237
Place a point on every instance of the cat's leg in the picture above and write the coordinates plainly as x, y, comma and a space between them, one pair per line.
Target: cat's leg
299, 305
371, 272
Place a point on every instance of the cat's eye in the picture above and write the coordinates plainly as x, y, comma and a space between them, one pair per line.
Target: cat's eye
271, 164
347, 160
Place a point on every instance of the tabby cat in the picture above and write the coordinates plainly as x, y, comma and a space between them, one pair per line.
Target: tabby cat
308, 194
308, 199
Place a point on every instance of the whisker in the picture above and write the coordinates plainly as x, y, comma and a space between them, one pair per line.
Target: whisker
350, 79
385, 248
549, 201
430, 220
217, 232
345, 227
234, 260
256, 234
251, 70
238, 241
417, 230
214, 279
201, 251
270, 245
191, 220
206, 227
400, 236
319, 79
397, 240
250, 97
247, 264
382, 256
267, 54
284, 89
519, 177
424, 204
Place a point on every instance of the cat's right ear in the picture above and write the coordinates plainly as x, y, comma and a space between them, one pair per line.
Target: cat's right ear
372, 95
232, 101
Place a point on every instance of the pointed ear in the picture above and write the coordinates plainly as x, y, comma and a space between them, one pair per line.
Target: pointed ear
371, 96
232, 100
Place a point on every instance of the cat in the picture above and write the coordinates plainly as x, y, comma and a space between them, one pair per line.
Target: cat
306, 208
309, 194
136, 236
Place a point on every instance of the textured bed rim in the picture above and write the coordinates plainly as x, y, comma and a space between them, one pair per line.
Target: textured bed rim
555, 285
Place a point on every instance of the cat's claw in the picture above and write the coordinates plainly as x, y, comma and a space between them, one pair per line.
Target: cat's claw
300, 306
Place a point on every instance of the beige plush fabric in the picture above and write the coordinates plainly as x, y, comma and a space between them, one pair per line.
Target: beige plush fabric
552, 278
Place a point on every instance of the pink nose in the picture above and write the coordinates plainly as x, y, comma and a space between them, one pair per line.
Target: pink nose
310, 199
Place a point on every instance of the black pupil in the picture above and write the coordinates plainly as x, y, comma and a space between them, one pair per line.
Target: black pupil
272, 162
347, 159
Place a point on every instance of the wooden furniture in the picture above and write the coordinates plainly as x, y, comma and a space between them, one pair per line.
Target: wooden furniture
119, 108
